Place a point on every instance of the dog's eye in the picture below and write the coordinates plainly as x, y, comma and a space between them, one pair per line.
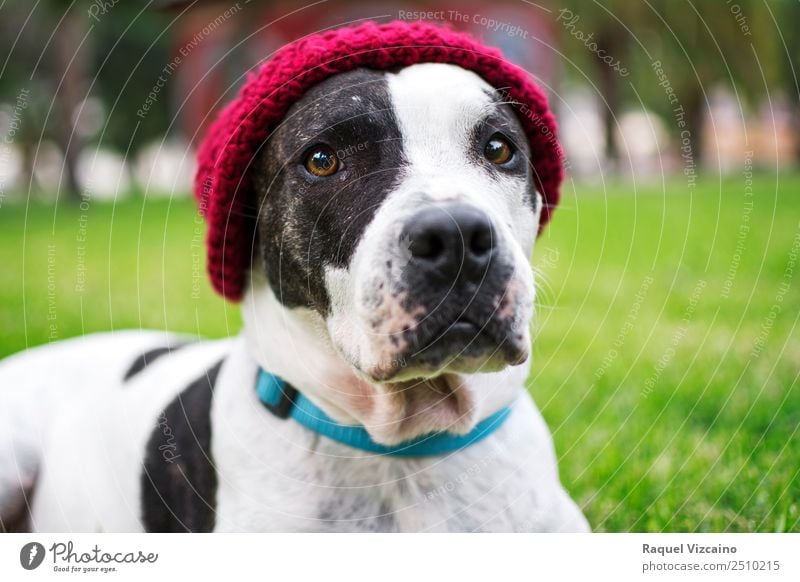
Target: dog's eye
498, 149
321, 161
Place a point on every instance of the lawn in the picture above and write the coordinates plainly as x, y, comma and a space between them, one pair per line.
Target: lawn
667, 350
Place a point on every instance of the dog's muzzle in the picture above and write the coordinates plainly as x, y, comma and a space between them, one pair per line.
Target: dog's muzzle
456, 276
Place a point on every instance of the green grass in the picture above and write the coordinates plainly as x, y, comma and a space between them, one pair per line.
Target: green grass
70, 271
665, 417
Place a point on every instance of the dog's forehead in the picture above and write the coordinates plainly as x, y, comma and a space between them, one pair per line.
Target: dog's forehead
351, 96
427, 98
444, 91
439, 107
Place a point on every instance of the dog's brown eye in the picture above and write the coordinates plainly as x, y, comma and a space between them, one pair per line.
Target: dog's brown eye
498, 150
322, 161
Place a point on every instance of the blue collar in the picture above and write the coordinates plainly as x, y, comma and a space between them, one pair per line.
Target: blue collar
285, 401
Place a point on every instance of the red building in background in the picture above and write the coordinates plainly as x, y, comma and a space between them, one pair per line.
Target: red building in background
217, 43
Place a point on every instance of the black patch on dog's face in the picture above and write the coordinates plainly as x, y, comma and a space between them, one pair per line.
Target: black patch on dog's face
307, 222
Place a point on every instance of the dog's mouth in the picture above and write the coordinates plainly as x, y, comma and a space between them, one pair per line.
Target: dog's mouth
462, 342
459, 337
467, 338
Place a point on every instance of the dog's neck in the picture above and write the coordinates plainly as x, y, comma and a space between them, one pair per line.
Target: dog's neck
295, 345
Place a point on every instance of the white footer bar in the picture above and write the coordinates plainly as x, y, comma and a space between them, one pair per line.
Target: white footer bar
407, 558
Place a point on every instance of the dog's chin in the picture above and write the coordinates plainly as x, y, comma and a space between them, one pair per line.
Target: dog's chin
432, 393
421, 406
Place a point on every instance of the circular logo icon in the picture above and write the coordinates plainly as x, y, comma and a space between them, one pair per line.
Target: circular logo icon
31, 555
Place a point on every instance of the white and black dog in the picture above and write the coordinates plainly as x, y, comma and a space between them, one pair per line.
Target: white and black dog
390, 287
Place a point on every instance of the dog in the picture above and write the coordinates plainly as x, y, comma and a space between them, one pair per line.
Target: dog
390, 288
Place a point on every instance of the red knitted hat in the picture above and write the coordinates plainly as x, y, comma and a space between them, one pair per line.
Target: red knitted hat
222, 185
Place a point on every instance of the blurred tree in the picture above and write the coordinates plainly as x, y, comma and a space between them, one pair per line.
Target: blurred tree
721, 44
132, 48
70, 57
789, 46
699, 45
48, 59
65, 52
597, 41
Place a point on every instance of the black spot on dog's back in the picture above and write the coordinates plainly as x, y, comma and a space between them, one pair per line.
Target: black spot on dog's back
179, 481
148, 357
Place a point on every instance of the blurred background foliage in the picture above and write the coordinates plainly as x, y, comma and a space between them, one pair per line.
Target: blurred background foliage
90, 66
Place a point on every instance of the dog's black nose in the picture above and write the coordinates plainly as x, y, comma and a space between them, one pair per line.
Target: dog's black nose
454, 240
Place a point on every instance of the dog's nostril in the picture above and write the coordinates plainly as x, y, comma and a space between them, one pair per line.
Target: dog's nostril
426, 245
481, 241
